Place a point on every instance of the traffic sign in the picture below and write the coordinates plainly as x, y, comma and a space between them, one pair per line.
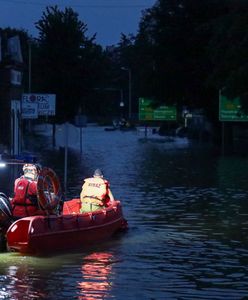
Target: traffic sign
231, 110
161, 113
46, 103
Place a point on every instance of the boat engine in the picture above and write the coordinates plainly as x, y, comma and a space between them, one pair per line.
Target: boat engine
6, 219
6, 216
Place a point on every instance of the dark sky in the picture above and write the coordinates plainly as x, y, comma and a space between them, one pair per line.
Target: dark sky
107, 18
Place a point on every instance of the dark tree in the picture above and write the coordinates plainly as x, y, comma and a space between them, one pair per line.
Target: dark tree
228, 51
69, 62
186, 50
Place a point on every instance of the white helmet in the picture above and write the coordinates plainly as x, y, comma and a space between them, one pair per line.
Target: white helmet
30, 171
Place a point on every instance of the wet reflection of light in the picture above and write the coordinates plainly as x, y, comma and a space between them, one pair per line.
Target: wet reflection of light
21, 283
96, 276
3, 292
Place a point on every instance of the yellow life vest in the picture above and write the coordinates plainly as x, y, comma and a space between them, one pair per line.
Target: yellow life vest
95, 189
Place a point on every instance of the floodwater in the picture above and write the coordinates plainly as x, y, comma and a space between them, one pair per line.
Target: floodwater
187, 209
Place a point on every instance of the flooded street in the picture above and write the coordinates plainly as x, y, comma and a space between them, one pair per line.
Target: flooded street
187, 209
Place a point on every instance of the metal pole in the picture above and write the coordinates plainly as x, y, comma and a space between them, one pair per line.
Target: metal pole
29, 66
121, 91
222, 128
29, 77
121, 104
81, 144
223, 138
129, 90
130, 94
66, 155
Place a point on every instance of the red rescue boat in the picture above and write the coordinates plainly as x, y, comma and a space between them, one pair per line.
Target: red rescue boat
37, 235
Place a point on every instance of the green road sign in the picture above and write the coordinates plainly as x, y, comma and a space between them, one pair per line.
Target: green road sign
161, 113
231, 110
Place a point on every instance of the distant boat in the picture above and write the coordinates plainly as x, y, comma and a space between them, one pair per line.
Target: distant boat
110, 128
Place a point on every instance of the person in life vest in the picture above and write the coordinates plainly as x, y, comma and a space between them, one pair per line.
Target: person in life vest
25, 201
95, 193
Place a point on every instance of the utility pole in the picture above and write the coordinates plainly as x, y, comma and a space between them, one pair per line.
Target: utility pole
29, 65
129, 91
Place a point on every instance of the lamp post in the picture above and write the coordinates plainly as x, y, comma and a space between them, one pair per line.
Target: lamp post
121, 103
29, 76
29, 65
129, 91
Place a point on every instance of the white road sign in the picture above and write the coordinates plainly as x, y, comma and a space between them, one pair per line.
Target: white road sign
46, 103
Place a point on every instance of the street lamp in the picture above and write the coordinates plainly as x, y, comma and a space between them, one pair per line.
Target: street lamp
130, 91
121, 103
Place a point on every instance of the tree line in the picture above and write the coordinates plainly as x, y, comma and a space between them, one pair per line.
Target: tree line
184, 53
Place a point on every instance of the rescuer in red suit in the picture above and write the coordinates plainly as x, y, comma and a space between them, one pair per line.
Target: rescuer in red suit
25, 202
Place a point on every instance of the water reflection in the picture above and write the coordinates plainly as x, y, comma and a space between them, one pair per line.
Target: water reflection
97, 276
188, 239
21, 282
84, 276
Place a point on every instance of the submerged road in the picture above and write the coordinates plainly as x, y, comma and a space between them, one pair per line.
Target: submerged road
188, 216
